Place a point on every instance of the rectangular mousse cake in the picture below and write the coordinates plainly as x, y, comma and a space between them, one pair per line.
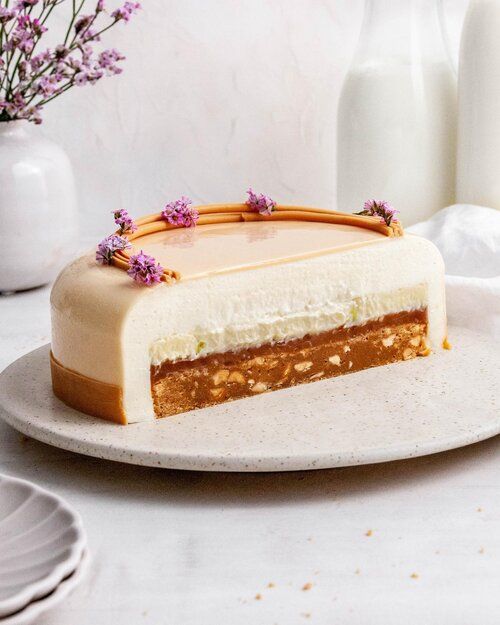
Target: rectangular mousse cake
261, 305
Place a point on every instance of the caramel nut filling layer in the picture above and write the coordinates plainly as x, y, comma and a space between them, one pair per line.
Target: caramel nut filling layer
185, 385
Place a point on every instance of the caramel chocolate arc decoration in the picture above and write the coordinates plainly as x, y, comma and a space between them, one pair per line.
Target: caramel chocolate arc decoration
231, 213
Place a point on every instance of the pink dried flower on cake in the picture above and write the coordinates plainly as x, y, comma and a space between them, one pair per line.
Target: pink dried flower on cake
124, 221
180, 213
108, 246
379, 208
144, 269
260, 203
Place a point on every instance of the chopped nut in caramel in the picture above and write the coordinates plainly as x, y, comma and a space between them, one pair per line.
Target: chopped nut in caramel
237, 377
388, 341
408, 353
220, 376
317, 375
303, 366
260, 387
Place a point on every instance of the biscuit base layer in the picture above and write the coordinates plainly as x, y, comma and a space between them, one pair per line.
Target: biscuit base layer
185, 385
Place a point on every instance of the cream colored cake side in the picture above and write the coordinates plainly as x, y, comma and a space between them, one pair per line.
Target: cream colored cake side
107, 328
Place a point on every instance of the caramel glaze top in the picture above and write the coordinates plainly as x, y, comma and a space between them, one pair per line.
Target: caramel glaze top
351, 231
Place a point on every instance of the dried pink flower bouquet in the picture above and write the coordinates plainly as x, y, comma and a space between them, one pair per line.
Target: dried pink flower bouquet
32, 75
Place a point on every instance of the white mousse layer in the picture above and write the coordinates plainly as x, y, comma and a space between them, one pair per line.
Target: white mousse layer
274, 326
110, 329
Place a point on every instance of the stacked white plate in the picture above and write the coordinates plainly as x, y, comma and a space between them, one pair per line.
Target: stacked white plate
43, 552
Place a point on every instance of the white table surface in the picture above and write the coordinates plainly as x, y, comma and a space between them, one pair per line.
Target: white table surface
414, 541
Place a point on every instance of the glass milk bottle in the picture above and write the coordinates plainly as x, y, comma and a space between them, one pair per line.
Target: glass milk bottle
397, 113
478, 164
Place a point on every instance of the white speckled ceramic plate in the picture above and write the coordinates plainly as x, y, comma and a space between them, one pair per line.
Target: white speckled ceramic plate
35, 609
41, 542
407, 409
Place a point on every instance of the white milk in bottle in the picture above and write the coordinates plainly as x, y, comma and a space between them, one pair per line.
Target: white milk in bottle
397, 113
478, 164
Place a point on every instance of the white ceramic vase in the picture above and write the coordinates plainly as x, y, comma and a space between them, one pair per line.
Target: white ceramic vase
38, 208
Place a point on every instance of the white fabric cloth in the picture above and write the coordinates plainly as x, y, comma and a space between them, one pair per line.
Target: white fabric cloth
468, 237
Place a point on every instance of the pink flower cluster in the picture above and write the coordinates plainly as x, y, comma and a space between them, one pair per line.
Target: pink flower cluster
144, 269
29, 78
126, 11
180, 213
379, 208
260, 203
108, 246
124, 221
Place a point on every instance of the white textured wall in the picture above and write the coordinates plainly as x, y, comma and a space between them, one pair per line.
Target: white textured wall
216, 95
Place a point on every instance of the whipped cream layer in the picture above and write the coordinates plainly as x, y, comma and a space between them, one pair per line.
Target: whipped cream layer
110, 329
275, 326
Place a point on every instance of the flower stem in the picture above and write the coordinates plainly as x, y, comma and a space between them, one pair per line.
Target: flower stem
73, 18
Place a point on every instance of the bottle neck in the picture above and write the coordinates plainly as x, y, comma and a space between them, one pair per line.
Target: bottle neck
408, 30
